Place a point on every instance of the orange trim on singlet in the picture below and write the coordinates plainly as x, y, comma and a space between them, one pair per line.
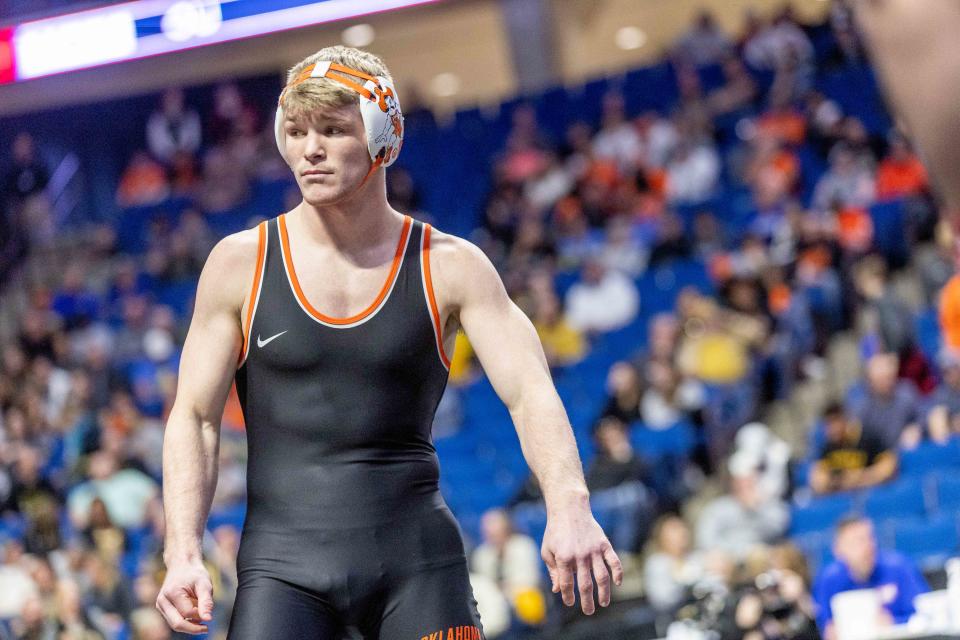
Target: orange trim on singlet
438, 329
255, 287
298, 291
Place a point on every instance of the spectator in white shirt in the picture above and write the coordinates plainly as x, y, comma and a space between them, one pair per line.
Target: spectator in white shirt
510, 559
848, 182
618, 139
603, 300
692, 173
173, 128
780, 43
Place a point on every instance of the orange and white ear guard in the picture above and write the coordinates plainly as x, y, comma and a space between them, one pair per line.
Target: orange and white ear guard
379, 108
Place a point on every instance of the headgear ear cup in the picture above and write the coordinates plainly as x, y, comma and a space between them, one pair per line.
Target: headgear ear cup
379, 109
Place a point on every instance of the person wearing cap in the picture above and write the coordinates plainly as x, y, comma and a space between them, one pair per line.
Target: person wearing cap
746, 516
336, 321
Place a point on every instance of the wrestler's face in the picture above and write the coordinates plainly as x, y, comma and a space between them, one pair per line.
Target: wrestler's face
327, 151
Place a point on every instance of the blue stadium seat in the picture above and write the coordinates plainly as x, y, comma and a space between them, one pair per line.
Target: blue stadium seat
821, 514
929, 542
889, 231
531, 519
928, 333
816, 548
930, 457
232, 516
903, 498
652, 444
948, 493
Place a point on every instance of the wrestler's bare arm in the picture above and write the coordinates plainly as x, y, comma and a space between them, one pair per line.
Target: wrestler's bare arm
469, 289
915, 49
192, 436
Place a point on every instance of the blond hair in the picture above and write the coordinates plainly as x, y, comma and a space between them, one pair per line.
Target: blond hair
317, 93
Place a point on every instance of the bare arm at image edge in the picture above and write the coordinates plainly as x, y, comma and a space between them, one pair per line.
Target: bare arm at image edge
510, 352
191, 440
915, 49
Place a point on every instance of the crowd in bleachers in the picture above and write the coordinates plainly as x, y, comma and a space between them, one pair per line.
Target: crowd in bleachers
732, 260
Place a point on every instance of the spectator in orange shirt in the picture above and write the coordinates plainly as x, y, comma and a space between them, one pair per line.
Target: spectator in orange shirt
950, 312
144, 182
901, 173
782, 120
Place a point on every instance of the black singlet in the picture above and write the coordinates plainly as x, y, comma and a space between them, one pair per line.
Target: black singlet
346, 530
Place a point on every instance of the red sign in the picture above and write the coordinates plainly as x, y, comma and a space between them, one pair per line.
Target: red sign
8, 65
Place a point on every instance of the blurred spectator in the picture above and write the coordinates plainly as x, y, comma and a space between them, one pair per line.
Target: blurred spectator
769, 454
673, 567
692, 173
943, 415
671, 241
850, 458
949, 312
935, 262
509, 559
860, 564
668, 398
704, 43
774, 45
173, 129
27, 216
223, 186
229, 107
893, 317
144, 182
622, 250
111, 598
74, 302
618, 139
617, 480
17, 588
846, 183
28, 176
624, 391
900, 173
563, 344
775, 603
603, 300
616, 462
742, 519
887, 408
716, 343
738, 91
125, 492
782, 120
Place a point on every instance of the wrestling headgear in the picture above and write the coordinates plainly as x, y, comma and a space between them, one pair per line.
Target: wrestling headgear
379, 108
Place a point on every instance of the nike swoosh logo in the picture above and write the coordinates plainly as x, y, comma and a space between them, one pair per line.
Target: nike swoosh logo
263, 343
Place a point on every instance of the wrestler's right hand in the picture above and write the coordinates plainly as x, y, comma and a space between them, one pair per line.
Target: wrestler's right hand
186, 597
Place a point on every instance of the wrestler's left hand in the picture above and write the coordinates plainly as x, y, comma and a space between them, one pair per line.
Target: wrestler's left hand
574, 544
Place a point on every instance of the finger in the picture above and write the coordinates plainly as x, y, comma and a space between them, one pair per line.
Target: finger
602, 577
176, 621
585, 585
551, 563
204, 590
613, 561
565, 580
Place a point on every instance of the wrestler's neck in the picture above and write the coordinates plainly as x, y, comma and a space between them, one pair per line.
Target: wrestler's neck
353, 223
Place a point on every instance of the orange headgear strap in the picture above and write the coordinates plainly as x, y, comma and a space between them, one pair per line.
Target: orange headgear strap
307, 72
